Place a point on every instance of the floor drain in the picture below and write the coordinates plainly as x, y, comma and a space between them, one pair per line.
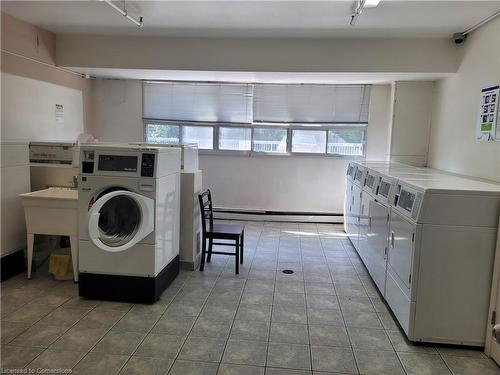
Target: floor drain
288, 272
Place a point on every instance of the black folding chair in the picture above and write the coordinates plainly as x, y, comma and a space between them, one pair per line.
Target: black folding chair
227, 232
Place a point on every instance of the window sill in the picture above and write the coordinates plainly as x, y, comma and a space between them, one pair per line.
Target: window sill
275, 154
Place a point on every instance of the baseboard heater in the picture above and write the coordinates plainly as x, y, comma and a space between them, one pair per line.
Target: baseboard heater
285, 216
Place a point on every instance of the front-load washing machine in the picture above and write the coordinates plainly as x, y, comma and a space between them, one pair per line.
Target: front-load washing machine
129, 218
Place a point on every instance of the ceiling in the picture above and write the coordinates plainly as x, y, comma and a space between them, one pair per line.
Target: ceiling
277, 19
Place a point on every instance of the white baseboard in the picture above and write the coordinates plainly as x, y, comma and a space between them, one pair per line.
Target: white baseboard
294, 217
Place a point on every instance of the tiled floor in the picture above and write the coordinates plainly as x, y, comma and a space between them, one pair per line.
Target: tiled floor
324, 318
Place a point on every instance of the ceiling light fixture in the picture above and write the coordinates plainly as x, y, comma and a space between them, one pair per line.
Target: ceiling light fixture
124, 13
358, 7
372, 3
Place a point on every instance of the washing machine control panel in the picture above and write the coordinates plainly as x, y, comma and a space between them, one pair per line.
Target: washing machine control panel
148, 165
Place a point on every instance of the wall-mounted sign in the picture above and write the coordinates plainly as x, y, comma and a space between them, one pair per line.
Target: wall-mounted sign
59, 113
488, 127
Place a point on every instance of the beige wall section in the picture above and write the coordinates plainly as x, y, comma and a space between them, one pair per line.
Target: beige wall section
29, 51
411, 122
28, 40
257, 55
117, 110
453, 146
257, 182
380, 119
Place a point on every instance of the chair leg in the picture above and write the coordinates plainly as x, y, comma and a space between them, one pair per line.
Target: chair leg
241, 249
203, 251
210, 245
237, 256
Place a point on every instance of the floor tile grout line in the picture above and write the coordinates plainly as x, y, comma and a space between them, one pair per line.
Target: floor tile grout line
145, 334
308, 327
194, 323
101, 337
74, 324
111, 328
268, 344
262, 260
232, 324
392, 345
199, 314
345, 325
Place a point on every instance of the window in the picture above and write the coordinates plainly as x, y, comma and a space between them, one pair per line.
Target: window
233, 138
309, 141
162, 133
200, 135
258, 118
349, 142
272, 140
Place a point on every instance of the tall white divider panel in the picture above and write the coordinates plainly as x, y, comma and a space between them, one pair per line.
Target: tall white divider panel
15, 181
190, 236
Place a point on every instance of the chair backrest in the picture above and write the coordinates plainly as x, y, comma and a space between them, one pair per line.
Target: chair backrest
206, 210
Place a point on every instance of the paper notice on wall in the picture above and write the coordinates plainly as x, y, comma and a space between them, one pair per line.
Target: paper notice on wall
59, 113
488, 128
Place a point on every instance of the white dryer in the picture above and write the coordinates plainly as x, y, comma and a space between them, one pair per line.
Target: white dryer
129, 209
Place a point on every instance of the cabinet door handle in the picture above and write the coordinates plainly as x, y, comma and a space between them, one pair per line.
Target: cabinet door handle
392, 239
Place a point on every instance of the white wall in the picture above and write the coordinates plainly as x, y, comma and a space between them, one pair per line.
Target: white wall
276, 182
453, 146
411, 122
256, 182
117, 110
403, 55
28, 109
378, 134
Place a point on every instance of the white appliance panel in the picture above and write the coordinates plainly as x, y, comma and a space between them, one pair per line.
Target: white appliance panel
401, 305
139, 260
401, 241
377, 242
167, 235
456, 266
363, 226
354, 213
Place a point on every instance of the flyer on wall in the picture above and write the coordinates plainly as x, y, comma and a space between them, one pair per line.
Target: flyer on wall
488, 128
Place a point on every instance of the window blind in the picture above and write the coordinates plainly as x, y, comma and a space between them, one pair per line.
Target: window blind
198, 101
311, 103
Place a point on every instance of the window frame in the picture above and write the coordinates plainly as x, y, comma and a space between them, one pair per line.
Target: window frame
290, 127
363, 127
233, 125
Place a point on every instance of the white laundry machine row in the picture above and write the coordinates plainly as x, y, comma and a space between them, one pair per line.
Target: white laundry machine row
427, 238
129, 218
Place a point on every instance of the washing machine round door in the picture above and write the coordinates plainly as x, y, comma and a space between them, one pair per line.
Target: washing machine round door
120, 219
